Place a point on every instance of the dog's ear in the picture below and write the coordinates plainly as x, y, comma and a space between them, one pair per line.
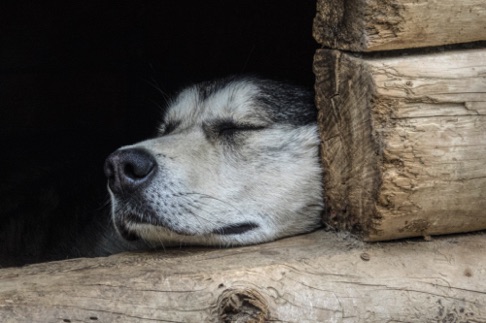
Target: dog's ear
279, 97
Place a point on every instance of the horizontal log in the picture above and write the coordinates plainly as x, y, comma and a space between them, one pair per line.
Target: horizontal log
312, 278
363, 25
403, 142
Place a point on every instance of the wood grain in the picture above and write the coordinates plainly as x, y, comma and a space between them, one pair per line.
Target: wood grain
374, 25
317, 277
403, 142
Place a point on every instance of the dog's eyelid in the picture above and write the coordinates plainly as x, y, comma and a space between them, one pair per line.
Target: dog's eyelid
237, 126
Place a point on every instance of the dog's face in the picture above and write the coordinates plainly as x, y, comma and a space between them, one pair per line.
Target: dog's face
235, 162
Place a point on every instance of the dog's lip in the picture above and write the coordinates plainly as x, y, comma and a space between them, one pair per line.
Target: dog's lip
126, 233
236, 228
124, 225
127, 223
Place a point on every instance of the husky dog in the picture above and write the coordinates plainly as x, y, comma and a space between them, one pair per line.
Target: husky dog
235, 162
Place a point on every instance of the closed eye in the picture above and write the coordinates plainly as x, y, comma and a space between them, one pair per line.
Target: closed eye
228, 128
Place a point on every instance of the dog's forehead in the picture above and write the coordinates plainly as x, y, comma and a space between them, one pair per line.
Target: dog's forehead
200, 103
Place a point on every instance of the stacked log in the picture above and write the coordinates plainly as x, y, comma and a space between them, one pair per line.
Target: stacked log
404, 131
310, 278
382, 25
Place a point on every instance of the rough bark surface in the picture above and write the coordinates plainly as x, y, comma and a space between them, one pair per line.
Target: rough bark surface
316, 277
403, 142
372, 25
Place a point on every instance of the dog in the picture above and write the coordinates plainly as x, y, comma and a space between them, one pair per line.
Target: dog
235, 162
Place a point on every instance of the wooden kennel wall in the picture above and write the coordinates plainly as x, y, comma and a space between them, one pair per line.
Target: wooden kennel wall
403, 140
403, 131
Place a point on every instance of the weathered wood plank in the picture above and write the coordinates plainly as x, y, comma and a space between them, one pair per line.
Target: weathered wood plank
317, 277
372, 25
404, 142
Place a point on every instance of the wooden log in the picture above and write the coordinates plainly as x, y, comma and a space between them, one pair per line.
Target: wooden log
312, 278
372, 25
403, 142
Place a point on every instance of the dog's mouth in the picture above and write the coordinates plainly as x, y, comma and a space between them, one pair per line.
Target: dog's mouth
127, 228
238, 228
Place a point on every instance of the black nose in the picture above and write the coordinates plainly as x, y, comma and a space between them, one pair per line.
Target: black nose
128, 169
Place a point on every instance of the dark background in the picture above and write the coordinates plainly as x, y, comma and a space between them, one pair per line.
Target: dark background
80, 78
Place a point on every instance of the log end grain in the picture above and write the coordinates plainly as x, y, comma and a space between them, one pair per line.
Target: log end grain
349, 151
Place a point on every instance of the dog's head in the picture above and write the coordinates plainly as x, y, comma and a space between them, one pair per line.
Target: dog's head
235, 162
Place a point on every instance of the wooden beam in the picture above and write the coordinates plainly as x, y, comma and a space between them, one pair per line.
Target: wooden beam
372, 25
317, 277
403, 142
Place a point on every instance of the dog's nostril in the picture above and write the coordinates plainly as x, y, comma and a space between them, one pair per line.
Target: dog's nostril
137, 169
129, 168
130, 171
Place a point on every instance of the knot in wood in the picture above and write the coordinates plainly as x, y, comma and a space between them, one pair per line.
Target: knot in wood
242, 305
